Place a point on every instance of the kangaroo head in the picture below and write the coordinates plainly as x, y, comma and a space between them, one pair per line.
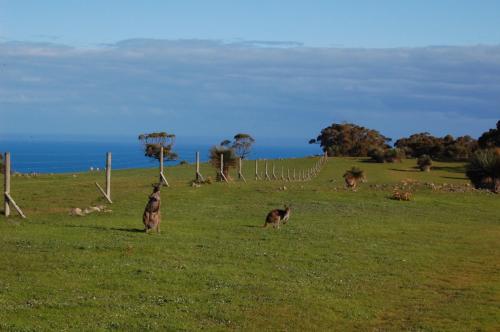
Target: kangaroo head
156, 187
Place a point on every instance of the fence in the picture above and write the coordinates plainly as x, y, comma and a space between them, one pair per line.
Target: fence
303, 175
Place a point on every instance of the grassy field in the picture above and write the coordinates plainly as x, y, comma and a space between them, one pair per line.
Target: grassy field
346, 260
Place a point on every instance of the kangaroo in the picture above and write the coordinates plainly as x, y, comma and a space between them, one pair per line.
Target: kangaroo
151, 217
350, 182
276, 216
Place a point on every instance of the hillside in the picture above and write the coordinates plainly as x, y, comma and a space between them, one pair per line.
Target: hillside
345, 261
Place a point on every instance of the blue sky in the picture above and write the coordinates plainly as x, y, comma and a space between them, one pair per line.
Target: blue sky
274, 69
353, 23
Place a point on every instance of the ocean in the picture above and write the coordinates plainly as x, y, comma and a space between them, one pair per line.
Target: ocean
80, 156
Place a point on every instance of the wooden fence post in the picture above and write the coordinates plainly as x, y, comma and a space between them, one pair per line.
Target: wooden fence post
7, 198
274, 174
107, 193
240, 172
257, 177
199, 177
267, 174
222, 176
6, 183
163, 179
288, 175
108, 174
294, 174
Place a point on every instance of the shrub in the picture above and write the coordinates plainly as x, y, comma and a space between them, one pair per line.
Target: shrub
424, 162
484, 169
377, 155
401, 195
230, 159
380, 155
393, 155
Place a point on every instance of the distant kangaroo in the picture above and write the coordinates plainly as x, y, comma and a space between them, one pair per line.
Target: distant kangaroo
276, 216
151, 217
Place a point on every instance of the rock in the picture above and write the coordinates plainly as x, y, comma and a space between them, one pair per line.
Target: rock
76, 212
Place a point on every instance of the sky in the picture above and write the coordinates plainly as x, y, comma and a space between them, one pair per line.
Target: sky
276, 69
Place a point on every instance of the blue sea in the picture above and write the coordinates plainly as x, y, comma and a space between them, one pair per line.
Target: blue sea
60, 156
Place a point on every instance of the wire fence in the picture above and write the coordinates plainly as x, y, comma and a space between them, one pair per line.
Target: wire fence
264, 170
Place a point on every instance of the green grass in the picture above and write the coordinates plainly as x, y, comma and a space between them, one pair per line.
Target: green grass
346, 260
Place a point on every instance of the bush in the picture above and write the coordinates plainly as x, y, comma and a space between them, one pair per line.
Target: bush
424, 162
379, 155
484, 169
393, 155
230, 159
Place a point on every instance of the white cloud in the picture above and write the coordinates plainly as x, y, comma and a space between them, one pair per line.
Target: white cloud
257, 85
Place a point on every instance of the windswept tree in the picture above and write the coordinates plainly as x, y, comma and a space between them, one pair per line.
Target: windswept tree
154, 142
491, 138
242, 145
229, 159
348, 139
483, 169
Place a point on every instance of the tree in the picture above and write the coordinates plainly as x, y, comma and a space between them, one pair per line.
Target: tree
483, 169
348, 139
444, 148
243, 144
154, 142
225, 142
229, 161
491, 138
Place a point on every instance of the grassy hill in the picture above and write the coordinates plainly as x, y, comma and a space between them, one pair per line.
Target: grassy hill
346, 260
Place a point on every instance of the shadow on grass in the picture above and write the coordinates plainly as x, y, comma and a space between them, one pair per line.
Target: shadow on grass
102, 228
451, 169
404, 170
454, 177
252, 226
130, 230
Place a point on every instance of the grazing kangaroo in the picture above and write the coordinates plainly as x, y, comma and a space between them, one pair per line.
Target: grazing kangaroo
276, 216
350, 182
151, 217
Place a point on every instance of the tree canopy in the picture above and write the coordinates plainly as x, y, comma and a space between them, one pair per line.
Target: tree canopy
348, 139
438, 148
491, 138
154, 142
243, 144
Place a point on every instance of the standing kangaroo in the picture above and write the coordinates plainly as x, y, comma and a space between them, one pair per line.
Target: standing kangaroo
276, 216
151, 217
